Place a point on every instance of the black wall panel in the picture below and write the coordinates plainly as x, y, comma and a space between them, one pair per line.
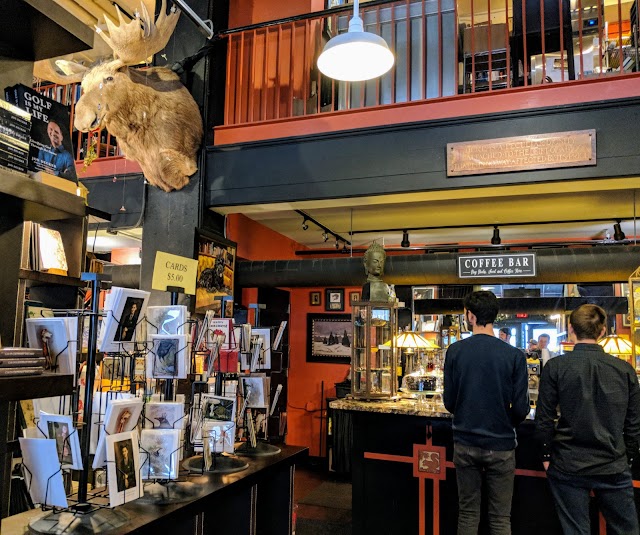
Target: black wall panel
411, 157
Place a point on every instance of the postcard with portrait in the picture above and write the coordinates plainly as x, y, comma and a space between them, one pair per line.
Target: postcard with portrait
60, 428
253, 389
123, 468
53, 337
264, 358
164, 415
42, 474
98, 412
124, 310
160, 453
167, 357
167, 320
122, 415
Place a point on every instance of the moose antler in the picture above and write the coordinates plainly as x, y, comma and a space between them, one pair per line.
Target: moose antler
45, 69
134, 41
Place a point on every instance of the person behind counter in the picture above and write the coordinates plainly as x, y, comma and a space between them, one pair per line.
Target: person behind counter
596, 438
543, 347
505, 334
485, 387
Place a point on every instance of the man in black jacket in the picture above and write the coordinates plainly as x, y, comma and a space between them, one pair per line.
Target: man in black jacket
485, 387
593, 442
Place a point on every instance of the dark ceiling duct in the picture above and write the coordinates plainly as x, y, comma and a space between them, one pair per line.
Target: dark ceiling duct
579, 264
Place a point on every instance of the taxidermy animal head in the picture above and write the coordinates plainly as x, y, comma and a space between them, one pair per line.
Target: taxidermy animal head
153, 116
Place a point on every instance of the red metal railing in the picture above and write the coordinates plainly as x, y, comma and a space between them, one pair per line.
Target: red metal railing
100, 142
443, 48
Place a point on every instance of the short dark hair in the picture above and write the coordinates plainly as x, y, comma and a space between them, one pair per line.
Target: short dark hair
588, 321
506, 331
545, 335
484, 305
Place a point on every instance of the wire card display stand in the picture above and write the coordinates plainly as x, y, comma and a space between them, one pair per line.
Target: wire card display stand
252, 446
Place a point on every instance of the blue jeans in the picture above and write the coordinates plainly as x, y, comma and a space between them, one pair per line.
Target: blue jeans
498, 469
614, 497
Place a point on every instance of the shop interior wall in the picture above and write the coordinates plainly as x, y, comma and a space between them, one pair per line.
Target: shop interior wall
306, 379
406, 158
245, 12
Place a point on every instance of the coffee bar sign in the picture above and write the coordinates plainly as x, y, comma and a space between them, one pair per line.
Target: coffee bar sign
497, 265
521, 153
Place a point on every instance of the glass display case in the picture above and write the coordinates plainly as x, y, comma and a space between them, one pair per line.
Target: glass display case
634, 315
374, 354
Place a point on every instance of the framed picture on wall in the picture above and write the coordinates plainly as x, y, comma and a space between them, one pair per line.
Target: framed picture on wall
354, 297
314, 298
216, 270
329, 338
334, 299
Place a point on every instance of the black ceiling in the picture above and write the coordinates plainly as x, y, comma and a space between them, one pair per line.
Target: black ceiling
32, 30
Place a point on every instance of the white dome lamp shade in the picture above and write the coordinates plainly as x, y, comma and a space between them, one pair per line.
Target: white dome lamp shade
356, 55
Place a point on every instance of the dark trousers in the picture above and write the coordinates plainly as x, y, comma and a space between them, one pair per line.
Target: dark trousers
498, 469
614, 497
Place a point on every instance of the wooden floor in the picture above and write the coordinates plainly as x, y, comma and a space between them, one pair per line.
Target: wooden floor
314, 519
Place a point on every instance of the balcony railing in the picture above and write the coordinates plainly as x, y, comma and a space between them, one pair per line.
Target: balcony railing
98, 143
442, 49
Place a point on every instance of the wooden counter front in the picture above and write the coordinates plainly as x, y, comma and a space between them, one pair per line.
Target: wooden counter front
256, 500
404, 480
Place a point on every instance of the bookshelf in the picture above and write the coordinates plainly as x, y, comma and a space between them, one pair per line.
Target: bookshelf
23, 201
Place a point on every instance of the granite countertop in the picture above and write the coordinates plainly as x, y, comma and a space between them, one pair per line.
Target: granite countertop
401, 406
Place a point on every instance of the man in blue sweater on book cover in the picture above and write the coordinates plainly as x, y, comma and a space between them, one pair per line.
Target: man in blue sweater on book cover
485, 388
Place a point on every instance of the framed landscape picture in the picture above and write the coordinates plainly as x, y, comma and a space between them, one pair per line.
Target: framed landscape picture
329, 338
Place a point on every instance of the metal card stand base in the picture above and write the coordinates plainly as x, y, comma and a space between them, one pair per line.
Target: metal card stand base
262, 449
101, 520
222, 465
170, 492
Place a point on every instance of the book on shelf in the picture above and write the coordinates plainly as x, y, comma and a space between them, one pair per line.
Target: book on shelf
14, 372
20, 352
22, 362
50, 148
47, 250
55, 181
15, 136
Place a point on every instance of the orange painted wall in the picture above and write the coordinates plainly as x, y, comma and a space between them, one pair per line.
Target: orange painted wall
257, 242
305, 399
245, 12
305, 378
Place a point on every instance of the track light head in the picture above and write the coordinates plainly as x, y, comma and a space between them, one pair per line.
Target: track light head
495, 239
325, 236
337, 244
405, 239
304, 225
618, 235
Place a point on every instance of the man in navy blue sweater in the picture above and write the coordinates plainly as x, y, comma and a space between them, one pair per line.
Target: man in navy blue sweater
485, 388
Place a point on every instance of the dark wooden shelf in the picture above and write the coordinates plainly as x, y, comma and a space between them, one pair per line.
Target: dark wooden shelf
36, 201
35, 386
49, 278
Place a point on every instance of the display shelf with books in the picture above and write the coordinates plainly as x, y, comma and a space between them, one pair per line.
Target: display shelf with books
25, 201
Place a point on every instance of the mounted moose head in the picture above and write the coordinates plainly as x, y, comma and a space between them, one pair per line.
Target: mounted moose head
153, 116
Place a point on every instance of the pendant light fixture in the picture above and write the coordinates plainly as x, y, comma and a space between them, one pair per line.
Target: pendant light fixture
356, 55
618, 235
495, 239
405, 239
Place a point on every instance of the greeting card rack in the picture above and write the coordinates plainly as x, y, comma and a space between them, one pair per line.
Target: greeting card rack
254, 446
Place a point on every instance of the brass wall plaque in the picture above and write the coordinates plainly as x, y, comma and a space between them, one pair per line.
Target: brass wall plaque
520, 153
